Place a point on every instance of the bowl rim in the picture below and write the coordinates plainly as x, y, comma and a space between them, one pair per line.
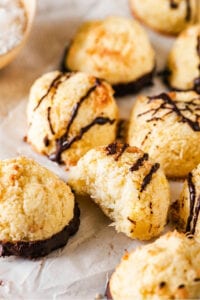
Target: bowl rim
30, 8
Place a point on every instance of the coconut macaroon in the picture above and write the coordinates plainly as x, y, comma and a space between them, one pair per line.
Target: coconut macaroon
116, 49
185, 211
70, 113
128, 187
167, 126
184, 61
167, 16
169, 268
37, 210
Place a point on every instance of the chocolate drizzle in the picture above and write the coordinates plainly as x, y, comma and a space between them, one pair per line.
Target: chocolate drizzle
197, 85
175, 5
198, 46
52, 91
121, 151
196, 215
111, 149
49, 119
146, 137
132, 221
188, 11
52, 88
121, 130
162, 284
171, 106
63, 144
46, 141
77, 106
116, 148
139, 163
197, 80
192, 193
148, 177
194, 206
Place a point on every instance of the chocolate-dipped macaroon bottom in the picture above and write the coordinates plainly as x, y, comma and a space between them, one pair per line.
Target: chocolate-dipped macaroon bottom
121, 89
35, 249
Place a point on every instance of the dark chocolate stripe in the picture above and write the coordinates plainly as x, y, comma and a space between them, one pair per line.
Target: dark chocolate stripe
52, 85
121, 151
192, 193
111, 149
146, 137
52, 90
63, 144
77, 106
147, 112
115, 148
198, 45
132, 221
49, 119
188, 11
194, 206
173, 107
46, 141
173, 4
156, 119
196, 215
62, 140
139, 162
188, 14
121, 130
197, 80
148, 177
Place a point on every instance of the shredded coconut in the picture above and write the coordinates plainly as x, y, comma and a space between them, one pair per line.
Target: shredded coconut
13, 20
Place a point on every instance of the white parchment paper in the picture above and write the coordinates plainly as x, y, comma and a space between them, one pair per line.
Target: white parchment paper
80, 270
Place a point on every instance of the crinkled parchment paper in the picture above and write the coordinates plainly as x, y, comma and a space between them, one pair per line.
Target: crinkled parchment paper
80, 270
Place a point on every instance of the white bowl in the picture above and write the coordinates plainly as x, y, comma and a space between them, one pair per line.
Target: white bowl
30, 7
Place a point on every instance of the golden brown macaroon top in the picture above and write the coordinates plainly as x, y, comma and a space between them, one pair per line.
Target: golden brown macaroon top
116, 49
